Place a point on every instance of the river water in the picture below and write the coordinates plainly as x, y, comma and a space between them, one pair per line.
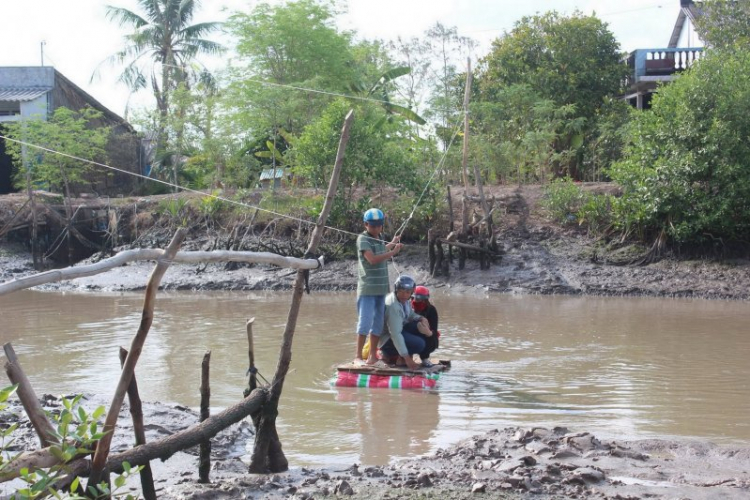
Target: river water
618, 367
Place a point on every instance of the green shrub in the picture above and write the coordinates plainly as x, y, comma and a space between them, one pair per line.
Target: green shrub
596, 213
686, 173
563, 199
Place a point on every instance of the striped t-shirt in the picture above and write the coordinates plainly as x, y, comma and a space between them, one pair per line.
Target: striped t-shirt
373, 279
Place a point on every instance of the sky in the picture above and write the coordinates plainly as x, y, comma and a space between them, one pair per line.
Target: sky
75, 37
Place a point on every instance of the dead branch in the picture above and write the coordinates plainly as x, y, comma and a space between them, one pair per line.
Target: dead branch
102, 448
163, 448
30, 402
155, 254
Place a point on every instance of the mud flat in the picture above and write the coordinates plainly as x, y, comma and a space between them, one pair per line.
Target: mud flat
506, 463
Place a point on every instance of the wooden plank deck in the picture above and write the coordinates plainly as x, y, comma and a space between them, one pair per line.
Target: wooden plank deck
439, 365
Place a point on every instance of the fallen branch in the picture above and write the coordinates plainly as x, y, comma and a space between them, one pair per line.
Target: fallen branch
160, 449
30, 402
155, 254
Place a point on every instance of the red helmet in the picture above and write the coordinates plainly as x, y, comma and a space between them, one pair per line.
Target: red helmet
421, 293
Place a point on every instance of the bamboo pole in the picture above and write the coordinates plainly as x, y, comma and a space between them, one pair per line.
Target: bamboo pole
102, 448
155, 254
204, 462
136, 414
25, 392
261, 460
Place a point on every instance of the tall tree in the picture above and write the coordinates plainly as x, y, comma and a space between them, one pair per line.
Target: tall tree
293, 44
448, 50
572, 60
165, 37
725, 24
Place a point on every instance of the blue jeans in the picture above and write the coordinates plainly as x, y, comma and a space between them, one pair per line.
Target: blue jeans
415, 344
371, 312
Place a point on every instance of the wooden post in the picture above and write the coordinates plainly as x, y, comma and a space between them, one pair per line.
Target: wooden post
467, 95
464, 215
204, 462
252, 382
450, 222
431, 250
136, 414
438, 270
30, 402
147, 317
262, 460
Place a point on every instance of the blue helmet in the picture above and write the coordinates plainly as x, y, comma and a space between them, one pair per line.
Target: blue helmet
404, 282
374, 216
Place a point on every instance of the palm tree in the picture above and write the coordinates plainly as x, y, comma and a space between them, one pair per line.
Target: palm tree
164, 37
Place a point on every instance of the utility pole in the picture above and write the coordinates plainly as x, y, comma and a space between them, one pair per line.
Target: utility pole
41, 49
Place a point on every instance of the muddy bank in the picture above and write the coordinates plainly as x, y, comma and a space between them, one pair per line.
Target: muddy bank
507, 463
539, 256
536, 260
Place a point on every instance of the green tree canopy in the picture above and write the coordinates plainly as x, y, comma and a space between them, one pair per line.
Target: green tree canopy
570, 61
293, 43
725, 24
66, 131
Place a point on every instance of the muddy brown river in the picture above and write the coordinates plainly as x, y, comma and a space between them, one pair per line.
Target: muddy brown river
618, 367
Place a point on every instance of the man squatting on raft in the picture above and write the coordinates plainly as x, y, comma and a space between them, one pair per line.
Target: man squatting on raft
372, 281
405, 331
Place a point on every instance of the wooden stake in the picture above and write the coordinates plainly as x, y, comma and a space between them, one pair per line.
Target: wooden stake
136, 414
204, 462
252, 382
102, 448
261, 460
30, 402
431, 250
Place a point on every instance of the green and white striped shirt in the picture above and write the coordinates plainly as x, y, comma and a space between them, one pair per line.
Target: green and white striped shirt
373, 279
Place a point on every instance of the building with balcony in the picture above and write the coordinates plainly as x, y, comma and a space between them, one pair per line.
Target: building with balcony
650, 68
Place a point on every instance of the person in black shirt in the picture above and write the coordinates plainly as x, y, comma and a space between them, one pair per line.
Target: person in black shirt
420, 302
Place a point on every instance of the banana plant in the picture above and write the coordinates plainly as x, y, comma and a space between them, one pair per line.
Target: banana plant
379, 90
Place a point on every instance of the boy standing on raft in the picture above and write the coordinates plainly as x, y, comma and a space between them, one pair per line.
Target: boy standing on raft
372, 282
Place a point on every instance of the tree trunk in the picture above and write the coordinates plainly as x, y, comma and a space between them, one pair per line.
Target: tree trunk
30, 402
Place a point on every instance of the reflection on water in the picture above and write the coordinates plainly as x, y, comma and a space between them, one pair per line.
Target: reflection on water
628, 368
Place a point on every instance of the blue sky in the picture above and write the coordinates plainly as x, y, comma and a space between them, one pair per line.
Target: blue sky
78, 37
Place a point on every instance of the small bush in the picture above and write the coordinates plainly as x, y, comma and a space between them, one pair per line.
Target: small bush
596, 213
563, 199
